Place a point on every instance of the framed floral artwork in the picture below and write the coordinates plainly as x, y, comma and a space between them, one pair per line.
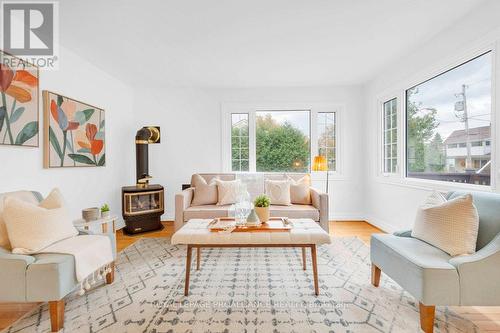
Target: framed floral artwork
18, 102
74, 133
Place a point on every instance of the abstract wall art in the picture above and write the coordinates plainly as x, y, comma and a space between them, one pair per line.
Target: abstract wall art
18, 102
74, 133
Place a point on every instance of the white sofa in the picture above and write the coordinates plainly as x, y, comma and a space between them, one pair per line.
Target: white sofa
318, 210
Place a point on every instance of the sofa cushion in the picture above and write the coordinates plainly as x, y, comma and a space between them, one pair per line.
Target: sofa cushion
213, 211
450, 225
50, 277
204, 193
278, 191
299, 190
206, 212
420, 268
228, 191
295, 212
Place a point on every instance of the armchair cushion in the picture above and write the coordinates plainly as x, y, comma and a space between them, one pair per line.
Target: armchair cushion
32, 227
449, 225
26, 196
420, 268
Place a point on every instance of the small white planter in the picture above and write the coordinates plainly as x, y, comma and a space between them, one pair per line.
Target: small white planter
262, 213
105, 214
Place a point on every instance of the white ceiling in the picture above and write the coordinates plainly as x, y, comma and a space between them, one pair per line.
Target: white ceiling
236, 43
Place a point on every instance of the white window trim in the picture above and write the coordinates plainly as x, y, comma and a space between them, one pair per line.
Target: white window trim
251, 108
381, 100
400, 179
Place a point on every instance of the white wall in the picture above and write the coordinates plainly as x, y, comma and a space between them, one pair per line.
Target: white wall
22, 167
190, 121
391, 203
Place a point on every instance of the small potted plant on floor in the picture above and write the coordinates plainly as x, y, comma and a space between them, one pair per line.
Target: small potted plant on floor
105, 211
262, 203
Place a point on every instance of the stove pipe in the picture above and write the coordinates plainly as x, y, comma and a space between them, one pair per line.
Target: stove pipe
144, 137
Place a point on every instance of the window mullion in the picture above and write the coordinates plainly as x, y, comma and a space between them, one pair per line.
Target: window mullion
252, 159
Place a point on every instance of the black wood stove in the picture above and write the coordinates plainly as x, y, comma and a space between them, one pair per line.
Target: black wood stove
143, 204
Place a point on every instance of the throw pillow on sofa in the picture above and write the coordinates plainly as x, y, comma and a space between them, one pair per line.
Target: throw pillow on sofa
204, 194
228, 191
299, 190
32, 228
451, 226
278, 191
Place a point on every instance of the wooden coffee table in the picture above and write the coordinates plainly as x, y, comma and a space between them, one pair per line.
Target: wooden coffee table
305, 233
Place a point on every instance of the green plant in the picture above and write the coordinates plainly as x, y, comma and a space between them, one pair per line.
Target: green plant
104, 208
262, 201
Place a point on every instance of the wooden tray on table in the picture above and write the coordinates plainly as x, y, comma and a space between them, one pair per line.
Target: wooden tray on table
275, 224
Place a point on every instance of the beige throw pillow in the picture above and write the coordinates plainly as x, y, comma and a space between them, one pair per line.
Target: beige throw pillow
299, 190
22, 195
227, 191
32, 228
451, 226
278, 191
204, 194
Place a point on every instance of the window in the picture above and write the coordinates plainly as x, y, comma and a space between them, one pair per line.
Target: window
239, 142
326, 138
280, 140
447, 119
390, 121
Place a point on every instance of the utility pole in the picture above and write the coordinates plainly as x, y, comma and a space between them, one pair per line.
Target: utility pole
465, 119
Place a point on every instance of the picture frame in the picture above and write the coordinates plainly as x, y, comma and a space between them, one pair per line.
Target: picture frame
74, 133
19, 102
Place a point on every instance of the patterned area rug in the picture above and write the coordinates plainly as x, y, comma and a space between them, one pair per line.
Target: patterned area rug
243, 290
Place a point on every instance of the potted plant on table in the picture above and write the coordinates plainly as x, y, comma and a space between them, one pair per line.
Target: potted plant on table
262, 203
105, 211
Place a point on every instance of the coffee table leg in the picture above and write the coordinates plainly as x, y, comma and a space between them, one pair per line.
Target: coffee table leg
198, 255
304, 258
315, 269
188, 269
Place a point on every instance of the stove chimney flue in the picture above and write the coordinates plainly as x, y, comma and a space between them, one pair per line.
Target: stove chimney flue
144, 137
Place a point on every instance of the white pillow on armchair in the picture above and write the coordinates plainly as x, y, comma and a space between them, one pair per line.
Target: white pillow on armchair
32, 228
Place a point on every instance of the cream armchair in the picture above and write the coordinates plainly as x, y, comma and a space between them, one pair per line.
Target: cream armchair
435, 278
317, 211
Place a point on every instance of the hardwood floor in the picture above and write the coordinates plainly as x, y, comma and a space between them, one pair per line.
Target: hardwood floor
486, 318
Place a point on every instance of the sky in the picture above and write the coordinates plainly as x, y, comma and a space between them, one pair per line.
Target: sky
439, 93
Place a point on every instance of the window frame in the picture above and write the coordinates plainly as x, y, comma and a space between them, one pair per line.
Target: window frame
399, 90
382, 103
456, 64
227, 109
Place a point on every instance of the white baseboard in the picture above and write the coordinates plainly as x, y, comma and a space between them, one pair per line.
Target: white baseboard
347, 217
382, 225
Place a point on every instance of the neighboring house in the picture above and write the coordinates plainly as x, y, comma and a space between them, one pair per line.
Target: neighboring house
456, 148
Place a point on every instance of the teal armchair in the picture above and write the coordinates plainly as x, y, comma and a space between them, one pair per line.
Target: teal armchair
435, 278
40, 277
